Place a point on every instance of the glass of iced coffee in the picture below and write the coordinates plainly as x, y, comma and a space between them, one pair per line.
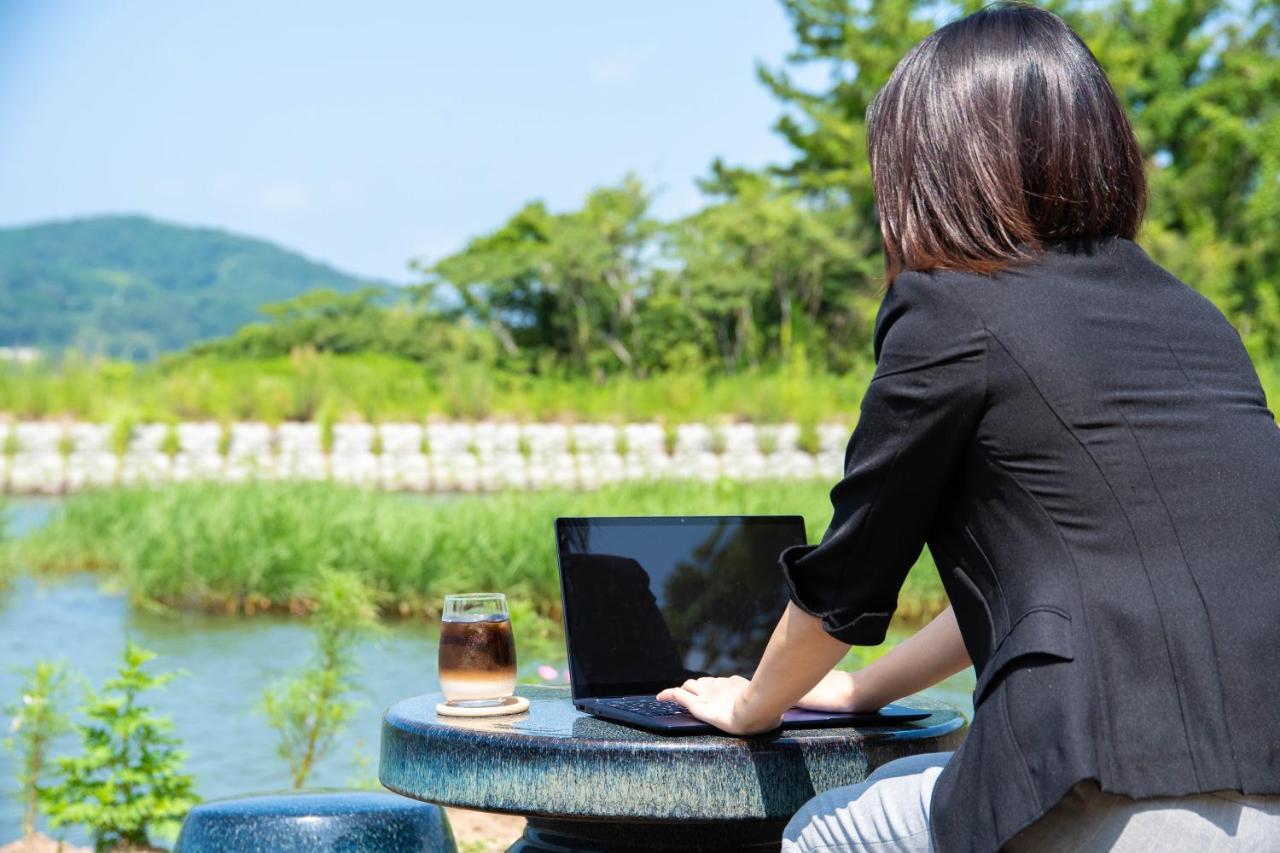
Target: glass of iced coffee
477, 650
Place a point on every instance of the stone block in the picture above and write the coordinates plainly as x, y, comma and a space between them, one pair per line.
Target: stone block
645, 438
545, 439
90, 438
359, 469
148, 438
692, 439
777, 438
352, 439
594, 439
739, 438
746, 465
38, 437
142, 469
250, 439
832, 438
92, 470
197, 466
409, 471
38, 472
445, 438
303, 466
201, 438
401, 439
298, 439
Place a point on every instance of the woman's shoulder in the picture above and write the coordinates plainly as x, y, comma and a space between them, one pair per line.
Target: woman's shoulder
923, 314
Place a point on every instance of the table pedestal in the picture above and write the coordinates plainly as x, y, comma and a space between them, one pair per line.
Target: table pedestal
547, 835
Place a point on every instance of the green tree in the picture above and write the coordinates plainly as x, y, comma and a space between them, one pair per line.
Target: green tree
1200, 80
35, 720
565, 284
312, 708
127, 784
765, 271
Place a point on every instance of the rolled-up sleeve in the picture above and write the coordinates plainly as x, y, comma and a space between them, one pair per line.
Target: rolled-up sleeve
918, 416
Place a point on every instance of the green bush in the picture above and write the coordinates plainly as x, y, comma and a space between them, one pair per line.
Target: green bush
127, 784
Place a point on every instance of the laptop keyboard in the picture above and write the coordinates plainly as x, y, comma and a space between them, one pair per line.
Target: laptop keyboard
647, 707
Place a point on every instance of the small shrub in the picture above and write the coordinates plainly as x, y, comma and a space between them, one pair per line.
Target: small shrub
808, 440
171, 444
767, 440
311, 709
719, 441
224, 440
121, 435
127, 784
35, 720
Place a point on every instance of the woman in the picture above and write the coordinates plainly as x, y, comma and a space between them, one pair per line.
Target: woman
1081, 441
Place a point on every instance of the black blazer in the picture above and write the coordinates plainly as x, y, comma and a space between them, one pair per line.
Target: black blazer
1085, 448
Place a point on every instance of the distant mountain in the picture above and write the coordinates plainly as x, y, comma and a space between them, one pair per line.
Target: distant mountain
131, 287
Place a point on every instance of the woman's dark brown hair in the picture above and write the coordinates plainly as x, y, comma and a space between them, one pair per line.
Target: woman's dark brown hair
996, 134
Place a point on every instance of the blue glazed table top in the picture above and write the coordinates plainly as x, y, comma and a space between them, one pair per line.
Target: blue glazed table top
555, 761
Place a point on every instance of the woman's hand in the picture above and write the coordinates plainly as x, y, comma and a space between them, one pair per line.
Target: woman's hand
722, 702
833, 693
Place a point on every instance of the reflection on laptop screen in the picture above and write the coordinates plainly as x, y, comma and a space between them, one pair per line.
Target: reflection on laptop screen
650, 602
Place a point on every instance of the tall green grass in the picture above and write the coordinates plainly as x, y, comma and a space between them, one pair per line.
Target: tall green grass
264, 546
381, 388
384, 388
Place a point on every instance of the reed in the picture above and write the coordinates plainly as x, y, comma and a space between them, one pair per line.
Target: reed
258, 547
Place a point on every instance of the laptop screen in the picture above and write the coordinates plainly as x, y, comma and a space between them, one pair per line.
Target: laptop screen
649, 602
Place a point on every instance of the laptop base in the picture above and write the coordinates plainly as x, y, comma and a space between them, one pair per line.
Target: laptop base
795, 718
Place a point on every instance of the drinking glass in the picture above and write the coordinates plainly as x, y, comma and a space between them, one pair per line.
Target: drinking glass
477, 650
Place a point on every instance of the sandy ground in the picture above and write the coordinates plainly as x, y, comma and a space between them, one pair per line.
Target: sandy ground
474, 831
41, 844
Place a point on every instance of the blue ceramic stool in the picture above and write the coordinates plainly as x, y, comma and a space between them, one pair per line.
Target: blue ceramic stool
316, 822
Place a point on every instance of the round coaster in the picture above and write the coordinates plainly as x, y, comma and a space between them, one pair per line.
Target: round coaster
510, 705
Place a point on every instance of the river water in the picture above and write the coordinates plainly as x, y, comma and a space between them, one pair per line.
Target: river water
226, 662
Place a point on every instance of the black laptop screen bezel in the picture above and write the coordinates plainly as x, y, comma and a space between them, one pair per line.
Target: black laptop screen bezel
605, 690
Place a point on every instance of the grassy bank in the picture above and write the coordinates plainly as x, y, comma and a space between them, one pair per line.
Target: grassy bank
380, 388
385, 388
257, 547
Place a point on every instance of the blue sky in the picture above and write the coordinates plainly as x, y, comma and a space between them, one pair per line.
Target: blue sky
364, 134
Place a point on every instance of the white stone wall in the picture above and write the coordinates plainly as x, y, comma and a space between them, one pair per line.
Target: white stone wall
54, 458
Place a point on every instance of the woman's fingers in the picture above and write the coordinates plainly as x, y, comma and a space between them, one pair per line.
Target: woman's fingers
680, 695
702, 688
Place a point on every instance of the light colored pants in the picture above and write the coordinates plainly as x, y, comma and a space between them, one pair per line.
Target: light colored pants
889, 813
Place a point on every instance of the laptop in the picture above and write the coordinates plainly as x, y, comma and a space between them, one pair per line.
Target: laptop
651, 602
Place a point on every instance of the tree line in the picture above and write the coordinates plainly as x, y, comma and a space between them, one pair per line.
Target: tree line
784, 265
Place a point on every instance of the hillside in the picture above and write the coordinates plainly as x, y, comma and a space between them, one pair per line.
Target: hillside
131, 287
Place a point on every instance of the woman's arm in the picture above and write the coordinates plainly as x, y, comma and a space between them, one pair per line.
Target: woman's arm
796, 669
933, 653
799, 654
